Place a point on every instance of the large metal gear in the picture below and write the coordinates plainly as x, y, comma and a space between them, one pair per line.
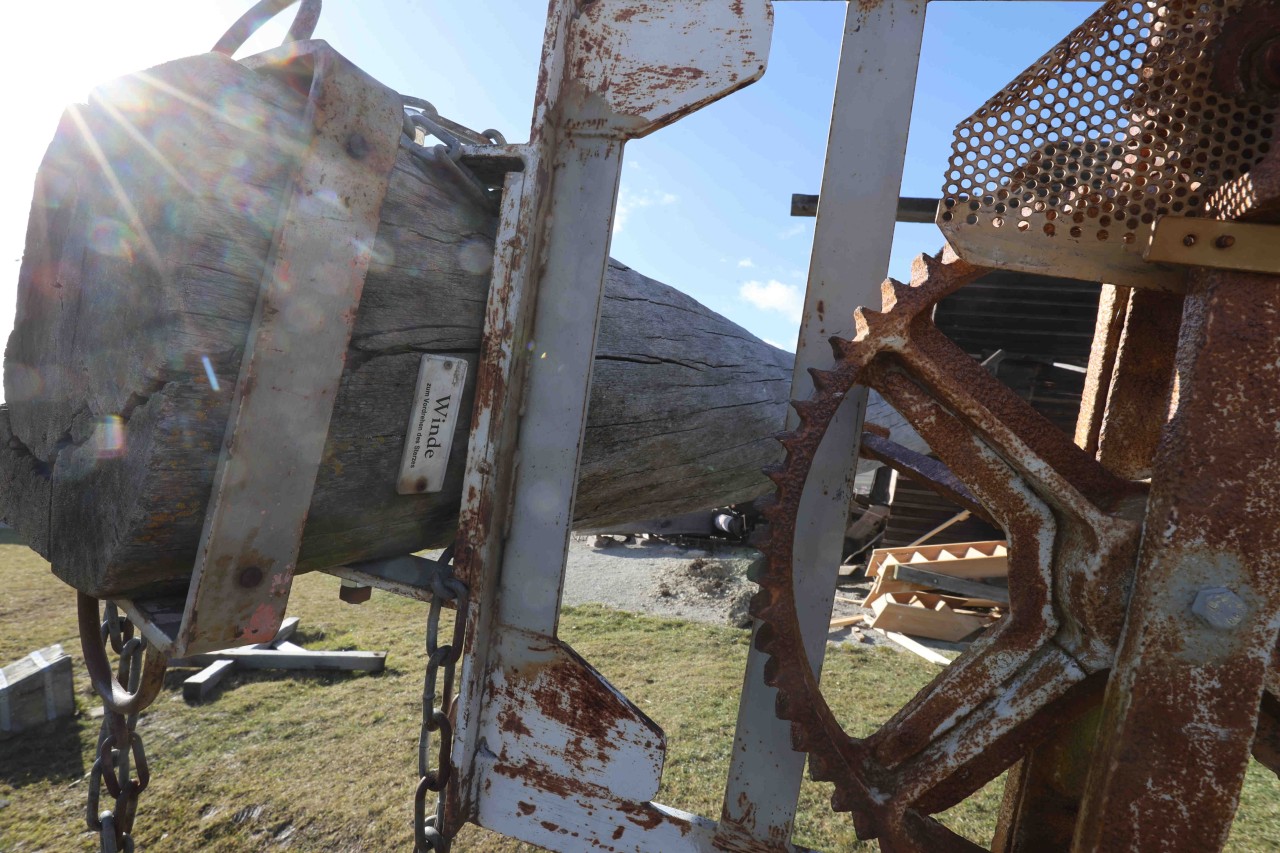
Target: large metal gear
1073, 530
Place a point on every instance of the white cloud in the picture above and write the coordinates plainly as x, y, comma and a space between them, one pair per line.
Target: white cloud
787, 348
773, 295
629, 201
746, 263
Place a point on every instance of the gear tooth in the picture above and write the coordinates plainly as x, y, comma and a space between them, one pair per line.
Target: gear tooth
892, 292
805, 409
789, 435
773, 512
777, 473
862, 321
760, 538
800, 740
839, 346
823, 380
926, 266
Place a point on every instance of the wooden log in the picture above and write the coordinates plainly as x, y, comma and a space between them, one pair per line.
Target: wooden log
152, 220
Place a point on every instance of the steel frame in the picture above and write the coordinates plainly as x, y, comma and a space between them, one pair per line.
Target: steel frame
547, 751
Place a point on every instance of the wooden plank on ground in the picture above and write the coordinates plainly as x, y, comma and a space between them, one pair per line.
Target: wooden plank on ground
846, 621
206, 680
278, 659
949, 583
916, 647
895, 613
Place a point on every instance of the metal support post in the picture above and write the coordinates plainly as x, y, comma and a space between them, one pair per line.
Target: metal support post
531, 765
870, 118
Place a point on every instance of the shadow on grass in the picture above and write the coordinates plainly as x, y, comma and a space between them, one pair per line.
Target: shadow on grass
50, 752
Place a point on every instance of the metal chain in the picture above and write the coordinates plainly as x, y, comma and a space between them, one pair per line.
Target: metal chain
420, 115
120, 754
430, 833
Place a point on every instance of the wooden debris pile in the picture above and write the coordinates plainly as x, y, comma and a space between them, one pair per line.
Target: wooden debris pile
944, 593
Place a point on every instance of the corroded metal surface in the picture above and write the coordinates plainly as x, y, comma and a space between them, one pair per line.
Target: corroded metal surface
293, 359
1073, 534
546, 750
1141, 384
1127, 119
1182, 704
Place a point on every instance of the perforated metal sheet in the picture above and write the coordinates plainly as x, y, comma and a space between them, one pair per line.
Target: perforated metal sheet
1135, 114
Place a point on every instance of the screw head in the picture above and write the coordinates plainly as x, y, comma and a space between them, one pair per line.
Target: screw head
1219, 607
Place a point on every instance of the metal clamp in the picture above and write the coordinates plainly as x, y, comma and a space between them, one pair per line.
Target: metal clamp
1243, 246
293, 362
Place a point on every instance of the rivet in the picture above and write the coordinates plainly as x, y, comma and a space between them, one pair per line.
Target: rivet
357, 145
1189, 240
1226, 241
250, 576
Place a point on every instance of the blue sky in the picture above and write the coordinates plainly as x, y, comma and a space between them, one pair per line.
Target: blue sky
704, 204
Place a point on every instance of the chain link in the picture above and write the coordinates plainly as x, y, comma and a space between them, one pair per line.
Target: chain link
420, 115
120, 764
430, 833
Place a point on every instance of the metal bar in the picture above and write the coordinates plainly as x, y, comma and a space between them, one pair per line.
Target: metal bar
1250, 247
408, 575
910, 209
1141, 382
1182, 703
607, 75
294, 357
870, 117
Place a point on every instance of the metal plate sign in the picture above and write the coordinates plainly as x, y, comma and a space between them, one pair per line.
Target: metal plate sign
430, 435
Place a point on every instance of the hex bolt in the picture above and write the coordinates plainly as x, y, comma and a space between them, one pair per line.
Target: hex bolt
1189, 240
1219, 607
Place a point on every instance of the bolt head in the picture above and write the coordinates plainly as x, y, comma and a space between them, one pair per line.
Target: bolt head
1219, 608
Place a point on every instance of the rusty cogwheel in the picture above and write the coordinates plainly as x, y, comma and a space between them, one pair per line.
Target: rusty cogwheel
1073, 532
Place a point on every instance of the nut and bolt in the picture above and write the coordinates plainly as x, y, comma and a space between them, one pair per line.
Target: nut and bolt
1219, 607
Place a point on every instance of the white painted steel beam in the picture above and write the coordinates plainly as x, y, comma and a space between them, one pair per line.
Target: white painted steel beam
870, 117
531, 713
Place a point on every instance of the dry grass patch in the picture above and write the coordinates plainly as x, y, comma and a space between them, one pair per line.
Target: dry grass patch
326, 762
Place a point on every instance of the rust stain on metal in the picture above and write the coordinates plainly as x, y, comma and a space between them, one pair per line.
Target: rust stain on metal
1072, 545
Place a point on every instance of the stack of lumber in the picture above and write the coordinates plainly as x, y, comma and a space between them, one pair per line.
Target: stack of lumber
938, 592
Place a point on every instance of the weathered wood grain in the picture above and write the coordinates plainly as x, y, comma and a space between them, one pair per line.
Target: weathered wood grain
150, 227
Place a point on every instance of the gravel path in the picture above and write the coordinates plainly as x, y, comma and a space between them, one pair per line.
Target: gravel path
701, 584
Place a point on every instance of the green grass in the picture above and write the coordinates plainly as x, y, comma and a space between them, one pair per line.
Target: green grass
317, 762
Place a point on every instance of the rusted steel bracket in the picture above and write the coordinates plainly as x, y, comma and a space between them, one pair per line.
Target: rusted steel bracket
612, 70
1213, 243
292, 363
